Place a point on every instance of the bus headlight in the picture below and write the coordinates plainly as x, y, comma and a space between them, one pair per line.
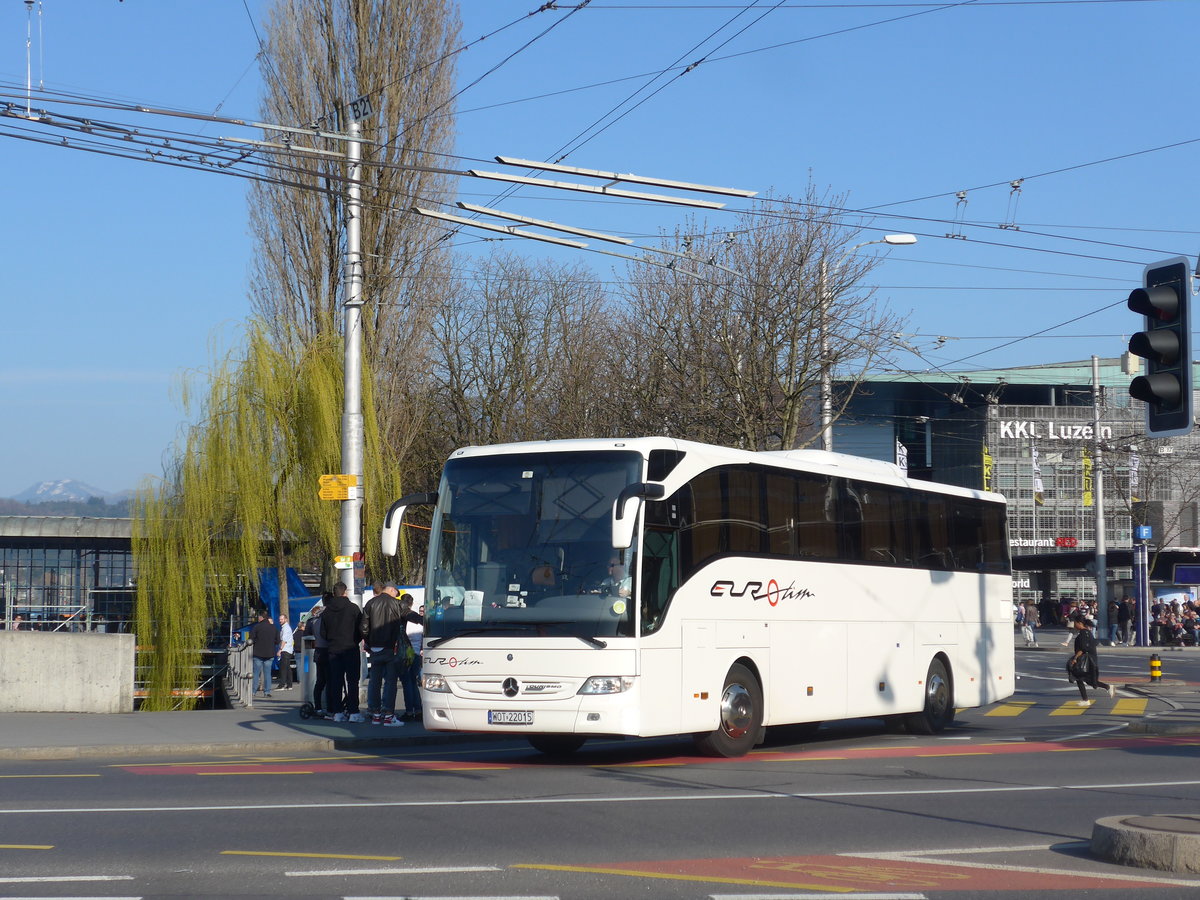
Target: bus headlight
435, 683
606, 684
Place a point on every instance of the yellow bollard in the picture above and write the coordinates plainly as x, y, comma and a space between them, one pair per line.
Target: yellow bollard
1155, 668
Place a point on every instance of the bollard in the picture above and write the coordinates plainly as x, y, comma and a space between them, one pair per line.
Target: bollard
1155, 668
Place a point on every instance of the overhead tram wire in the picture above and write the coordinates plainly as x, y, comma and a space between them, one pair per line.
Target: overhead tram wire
709, 59
142, 109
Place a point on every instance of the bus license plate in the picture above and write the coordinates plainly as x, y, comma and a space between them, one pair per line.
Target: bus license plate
510, 716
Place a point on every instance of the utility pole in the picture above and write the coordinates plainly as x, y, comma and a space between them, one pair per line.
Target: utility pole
352, 420
1098, 488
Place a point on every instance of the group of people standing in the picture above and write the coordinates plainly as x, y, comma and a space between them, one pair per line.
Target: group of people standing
390, 631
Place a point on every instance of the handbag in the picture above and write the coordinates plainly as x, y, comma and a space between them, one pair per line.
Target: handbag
1082, 667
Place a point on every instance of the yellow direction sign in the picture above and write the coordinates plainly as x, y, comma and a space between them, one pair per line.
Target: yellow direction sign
343, 562
337, 487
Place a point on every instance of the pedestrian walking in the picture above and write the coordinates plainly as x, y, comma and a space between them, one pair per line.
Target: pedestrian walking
1084, 665
264, 641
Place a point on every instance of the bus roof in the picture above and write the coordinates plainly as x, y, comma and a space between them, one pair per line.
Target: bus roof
823, 462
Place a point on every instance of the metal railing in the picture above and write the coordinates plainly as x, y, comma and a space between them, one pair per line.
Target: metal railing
210, 691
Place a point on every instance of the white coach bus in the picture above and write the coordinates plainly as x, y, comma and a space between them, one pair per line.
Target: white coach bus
652, 586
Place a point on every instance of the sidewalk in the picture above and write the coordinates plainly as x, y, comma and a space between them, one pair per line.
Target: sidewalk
273, 725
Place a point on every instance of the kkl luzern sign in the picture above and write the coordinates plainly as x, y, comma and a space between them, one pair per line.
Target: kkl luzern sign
1022, 429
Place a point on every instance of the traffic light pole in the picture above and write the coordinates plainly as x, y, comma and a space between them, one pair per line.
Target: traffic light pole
350, 542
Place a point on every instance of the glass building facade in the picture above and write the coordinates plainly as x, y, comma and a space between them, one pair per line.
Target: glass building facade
66, 573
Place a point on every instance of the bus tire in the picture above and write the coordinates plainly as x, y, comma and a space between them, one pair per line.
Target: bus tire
938, 711
741, 716
556, 744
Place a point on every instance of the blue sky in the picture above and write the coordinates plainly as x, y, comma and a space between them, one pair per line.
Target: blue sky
121, 276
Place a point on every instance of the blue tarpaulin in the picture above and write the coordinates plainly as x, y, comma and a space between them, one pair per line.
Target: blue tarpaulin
300, 600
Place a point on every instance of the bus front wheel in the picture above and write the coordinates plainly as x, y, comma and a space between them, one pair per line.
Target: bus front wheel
556, 744
741, 716
938, 711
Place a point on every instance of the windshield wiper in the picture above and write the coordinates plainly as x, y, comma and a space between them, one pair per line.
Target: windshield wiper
473, 632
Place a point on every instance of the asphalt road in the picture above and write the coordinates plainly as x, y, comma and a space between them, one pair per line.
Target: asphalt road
999, 806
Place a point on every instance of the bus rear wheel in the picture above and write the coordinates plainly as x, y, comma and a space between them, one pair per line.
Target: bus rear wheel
938, 711
556, 744
741, 716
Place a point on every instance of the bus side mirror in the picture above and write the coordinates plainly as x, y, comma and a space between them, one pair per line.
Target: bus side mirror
626, 508
390, 539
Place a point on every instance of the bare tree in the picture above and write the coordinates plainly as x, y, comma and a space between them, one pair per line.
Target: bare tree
723, 346
525, 353
319, 55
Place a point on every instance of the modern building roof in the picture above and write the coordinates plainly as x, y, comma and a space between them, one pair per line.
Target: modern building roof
59, 527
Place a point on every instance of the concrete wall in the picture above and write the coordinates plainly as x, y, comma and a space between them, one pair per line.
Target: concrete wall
51, 671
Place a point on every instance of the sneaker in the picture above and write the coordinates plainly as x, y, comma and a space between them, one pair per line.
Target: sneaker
392, 722
1112, 690
377, 719
357, 717
1083, 702
339, 717
321, 714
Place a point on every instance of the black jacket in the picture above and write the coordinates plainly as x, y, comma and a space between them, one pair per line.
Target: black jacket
341, 624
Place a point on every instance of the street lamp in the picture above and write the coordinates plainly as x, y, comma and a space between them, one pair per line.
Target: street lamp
896, 240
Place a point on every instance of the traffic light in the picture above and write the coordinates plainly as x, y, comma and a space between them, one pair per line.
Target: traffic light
1166, 344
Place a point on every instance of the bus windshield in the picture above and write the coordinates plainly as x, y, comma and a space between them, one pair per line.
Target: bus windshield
522, 546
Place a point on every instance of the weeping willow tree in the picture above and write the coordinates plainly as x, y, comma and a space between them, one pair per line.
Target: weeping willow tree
241, 493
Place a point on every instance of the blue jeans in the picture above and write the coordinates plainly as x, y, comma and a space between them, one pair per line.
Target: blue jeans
412, 694
382, 674
262, 671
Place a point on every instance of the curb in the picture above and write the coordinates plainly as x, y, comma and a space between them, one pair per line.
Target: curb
135, 750
1167, 843
311, 744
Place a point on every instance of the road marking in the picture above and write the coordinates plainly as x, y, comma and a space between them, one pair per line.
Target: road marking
26, 846
968, 753
669, 876
309, 855
93, 775
415, 870
49, 879
1071, 708
468, 897
631, 799
1129, 707
261, 772
824, 895
1011, 708
922, 856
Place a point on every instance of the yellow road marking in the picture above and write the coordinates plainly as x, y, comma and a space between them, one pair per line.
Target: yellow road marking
1074, 749
26, 846
1129, 707
309, 855
237, 760
1011, 708
1070, 708
833, 888
290, 772
92, 775
968, 753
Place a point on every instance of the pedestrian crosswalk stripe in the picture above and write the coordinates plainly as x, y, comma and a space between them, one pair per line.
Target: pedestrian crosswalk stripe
1071, 708
1011, 708
1128, 706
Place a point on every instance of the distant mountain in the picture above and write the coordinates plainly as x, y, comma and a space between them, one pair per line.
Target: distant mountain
64, 490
